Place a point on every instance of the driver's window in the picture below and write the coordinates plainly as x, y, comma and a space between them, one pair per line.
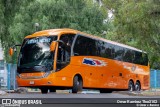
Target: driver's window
64, 50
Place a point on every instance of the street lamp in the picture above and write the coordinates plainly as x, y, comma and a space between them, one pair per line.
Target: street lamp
36, 25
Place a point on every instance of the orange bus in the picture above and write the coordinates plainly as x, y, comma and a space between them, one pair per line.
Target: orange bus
66, 58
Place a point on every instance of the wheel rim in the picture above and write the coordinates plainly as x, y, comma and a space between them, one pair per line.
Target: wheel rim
130, 86
137, 87
77, 83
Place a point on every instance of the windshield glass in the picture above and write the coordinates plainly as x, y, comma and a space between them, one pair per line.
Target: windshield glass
35, 54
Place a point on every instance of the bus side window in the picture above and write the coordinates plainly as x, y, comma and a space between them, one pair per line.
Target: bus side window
85, 46
119, 53
104, 49
137, 59
109, 51
128, 55
144, 59
100, 47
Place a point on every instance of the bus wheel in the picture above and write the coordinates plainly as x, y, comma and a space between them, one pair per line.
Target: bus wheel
44, 90
77, 84
137, 86
130, 86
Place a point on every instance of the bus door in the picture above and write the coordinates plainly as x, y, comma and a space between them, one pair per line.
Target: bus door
64, 50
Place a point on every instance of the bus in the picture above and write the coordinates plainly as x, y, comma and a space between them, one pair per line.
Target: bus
69, 59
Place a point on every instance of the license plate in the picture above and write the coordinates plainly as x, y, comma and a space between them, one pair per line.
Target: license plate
31, 82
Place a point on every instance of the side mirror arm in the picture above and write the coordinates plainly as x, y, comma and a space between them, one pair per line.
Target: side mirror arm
15, 46
12, 49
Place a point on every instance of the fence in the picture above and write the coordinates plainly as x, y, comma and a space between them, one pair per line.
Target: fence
11, 75
8, 77
155, 78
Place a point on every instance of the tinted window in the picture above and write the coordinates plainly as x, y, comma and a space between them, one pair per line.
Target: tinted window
85, 46
64, 50
90, 47
67, 41
104, 49
119, 53
100, 47
140, 58
144, 60
137, 58
128, 55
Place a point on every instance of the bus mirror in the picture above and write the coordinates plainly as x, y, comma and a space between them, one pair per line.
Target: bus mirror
53, 46
11, 51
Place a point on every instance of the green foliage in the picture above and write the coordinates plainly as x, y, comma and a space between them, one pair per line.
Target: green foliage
21, 15
1, 18
137, 23
134, 22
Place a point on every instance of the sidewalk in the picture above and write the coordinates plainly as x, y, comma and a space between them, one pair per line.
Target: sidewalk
151, 92
2, 92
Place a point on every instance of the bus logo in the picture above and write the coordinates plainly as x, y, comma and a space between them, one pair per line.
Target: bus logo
93, 62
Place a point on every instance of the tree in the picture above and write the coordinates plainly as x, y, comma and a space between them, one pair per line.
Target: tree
76, 14
137, 23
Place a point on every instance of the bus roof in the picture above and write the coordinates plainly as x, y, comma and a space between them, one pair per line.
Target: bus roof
67, 30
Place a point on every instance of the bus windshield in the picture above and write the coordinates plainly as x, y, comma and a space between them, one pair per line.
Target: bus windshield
35, 54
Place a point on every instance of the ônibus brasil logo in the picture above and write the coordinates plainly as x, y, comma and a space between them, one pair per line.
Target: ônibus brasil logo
94, 62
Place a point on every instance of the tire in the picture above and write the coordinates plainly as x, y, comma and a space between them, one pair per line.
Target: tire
130, 86
44, 90
77, 84
137, 86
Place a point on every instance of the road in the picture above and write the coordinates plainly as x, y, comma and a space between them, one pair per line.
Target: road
78, 100
70, 95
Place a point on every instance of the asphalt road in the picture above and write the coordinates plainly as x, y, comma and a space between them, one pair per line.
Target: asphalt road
70, 95
79, 100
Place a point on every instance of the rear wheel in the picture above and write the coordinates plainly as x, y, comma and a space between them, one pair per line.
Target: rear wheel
137, 86
44, 90
77, 84
130, 86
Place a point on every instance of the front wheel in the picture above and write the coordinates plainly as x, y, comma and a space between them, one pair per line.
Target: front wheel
77, 84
